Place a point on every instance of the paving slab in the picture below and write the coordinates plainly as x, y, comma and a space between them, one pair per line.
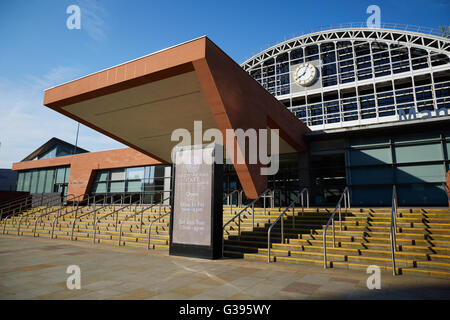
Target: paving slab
35, 268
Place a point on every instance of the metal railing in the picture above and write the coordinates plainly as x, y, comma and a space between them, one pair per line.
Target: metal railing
346, 197
116, 212
57, 210
150, 227
93, 212
229, 199
281, 216
238, 215
77, 206
393, 230
5, 206
141, 212
6, 203
11, 210
50, 203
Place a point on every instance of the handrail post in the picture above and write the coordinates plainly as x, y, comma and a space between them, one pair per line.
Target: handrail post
142, 217
348, 197
293, 216
340, 219
307, 199
239, 228
332, 224
253, 216
264, 200
303, 207
282, 230
268, 245
95, 225
324, 249
117, 220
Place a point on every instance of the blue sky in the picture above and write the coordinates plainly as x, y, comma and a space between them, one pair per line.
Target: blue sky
38, 51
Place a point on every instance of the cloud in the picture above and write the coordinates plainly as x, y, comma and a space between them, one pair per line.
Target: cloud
93, 19
25, 124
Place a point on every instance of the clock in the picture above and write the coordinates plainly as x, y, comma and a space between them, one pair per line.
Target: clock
305, 74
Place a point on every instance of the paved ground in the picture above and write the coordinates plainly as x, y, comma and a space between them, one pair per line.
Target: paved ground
36, 269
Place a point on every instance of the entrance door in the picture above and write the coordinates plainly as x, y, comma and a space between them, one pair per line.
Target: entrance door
328, 178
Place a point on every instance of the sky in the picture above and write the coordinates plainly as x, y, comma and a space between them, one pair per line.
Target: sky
38, 50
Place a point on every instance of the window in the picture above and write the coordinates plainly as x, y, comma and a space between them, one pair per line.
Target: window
42, 180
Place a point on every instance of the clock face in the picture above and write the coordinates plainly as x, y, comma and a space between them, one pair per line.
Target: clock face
305, 74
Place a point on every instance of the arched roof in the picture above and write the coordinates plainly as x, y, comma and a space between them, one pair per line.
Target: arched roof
415, 38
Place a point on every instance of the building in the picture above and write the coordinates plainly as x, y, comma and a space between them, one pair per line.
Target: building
113, 172
358, 107
377, 102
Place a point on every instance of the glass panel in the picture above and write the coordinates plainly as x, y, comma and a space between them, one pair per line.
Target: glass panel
416, 153
370, 156
66, 180
102, 176
367, 176
49, 154
152, 172
420, 173
135, 173
20, 178
421, 194
27, 181
34, 181
118, 174
49, 180
41, 181
117, 186
60, 173
134, 186
99, 187
159, 171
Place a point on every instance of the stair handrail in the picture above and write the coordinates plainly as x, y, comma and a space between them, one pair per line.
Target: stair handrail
291, 205
14, 214
57, 210
50, 203
150, 227
95, 210
13, 203
69, 212
141, 212
252, 203
148, 207
5, 203
393, 228
346, 197
116, 211
35, 210
231, 203
24, 201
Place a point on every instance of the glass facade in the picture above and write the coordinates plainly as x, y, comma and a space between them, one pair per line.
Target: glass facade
358, 81
44, 180
148, 180
60, 150
371, 164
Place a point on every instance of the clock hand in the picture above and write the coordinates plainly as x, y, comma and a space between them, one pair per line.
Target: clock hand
302, 74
